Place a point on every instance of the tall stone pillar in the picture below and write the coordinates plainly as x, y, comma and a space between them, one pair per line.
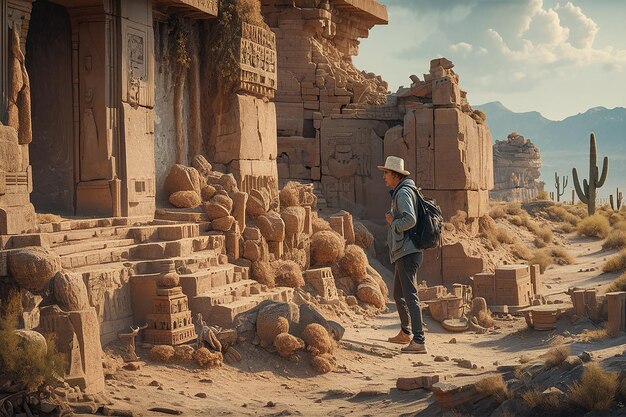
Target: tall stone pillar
3, 62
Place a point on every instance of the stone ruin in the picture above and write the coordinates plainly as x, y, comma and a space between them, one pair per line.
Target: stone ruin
516, 167
142, 106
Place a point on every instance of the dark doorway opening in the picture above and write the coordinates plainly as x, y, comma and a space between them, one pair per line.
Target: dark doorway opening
49, 65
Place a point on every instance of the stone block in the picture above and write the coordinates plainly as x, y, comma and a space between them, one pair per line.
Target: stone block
416, 382
513, 286
616, 302
322, 281
535, 279
484, 285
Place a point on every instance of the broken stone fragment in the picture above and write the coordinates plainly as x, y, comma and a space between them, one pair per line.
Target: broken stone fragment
182, 178
223, 224
412, 383
272, 227
70, 291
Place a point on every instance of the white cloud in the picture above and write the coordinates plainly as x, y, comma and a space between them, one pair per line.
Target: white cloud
462, 47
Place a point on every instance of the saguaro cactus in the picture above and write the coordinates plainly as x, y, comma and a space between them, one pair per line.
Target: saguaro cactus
618, 196
560, 189
587, 194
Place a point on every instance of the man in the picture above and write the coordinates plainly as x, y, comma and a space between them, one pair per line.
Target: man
404, 255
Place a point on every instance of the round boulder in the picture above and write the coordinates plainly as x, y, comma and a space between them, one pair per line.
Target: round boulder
185, 199
70, 291
34, 267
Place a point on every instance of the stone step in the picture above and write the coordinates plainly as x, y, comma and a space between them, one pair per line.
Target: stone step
171, 249
70, 248
226, 294
224, 314
201, 282
161, 232
95, 257
182, 215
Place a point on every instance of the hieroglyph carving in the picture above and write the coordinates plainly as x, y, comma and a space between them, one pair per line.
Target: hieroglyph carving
257, 61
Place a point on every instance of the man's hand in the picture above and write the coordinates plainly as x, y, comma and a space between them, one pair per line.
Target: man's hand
389, 218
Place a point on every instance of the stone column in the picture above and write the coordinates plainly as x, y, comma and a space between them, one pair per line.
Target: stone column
617, 312
4, 80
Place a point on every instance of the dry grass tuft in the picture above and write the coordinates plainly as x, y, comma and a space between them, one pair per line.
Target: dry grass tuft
521, 251
596, 389
326, 247
561, 256
536, 399
621, 225
594, 226
320, 224
22, 362
542, 258
561, 214
615, 263
514, 209
459, 220
618, 285
497, 212
556, 356
593, 335
615, 240
504, 236
494, 386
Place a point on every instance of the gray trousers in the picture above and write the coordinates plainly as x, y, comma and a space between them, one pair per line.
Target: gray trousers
405, 295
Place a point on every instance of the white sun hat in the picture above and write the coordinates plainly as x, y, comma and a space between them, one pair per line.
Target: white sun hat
395, 164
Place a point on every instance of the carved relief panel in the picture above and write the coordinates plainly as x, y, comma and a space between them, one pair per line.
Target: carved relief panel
257, 61
137, 64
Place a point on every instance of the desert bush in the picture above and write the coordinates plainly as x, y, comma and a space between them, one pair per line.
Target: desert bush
560, 214
545, 234
494, 386
317, 339
620, 225
459, 219
594, 335
618, 285
497, 212
290, 194
536, 399
561, 256
542, 258
504, 236
543, 195
354, 263
288, 274
539, 243
323, 363
320, 224
516, 220
162, 353
326, 247
594, 226
556, 356
514, 209
286, 344
207, 359
566, 228
521, 251
615, 263
616, 239
26, 362
595, 390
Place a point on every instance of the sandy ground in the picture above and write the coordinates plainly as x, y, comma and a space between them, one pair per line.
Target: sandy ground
263, 384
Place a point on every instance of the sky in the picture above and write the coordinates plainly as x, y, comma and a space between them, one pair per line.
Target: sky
558, 58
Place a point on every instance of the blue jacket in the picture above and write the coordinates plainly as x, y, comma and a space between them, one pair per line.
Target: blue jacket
404, 218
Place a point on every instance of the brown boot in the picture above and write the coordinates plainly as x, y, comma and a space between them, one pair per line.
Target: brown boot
401, 338
414, 347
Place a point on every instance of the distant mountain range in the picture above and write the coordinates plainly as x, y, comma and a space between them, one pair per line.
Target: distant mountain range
565, 144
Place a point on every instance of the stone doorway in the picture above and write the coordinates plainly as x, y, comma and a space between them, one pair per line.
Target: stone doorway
52, 151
